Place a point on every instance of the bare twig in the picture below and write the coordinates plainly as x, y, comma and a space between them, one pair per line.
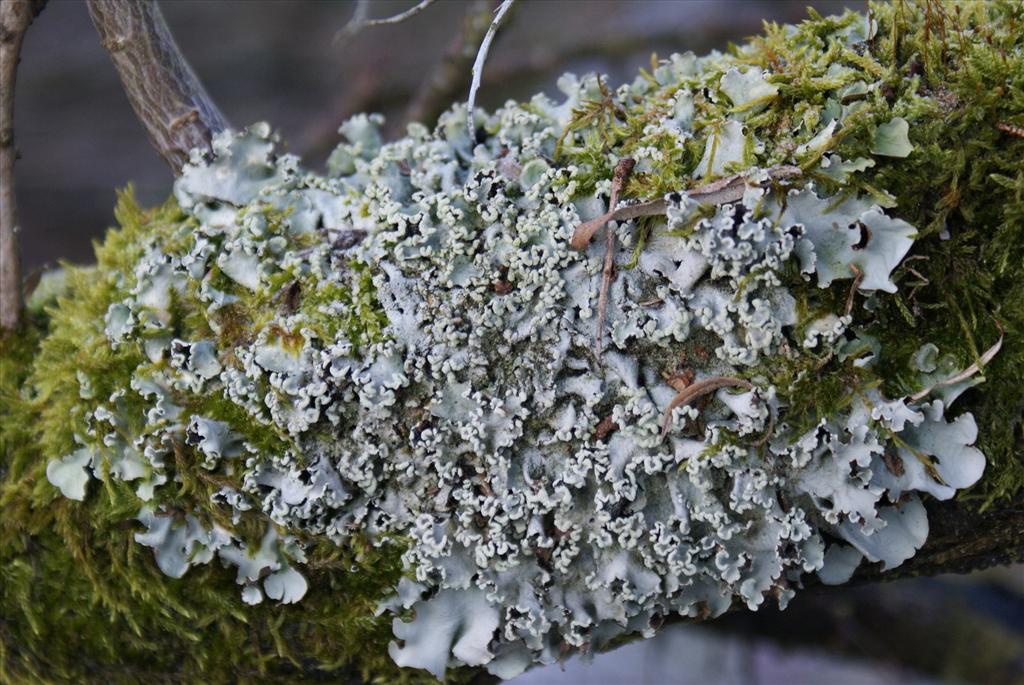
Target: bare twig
607, 275
478, 65
720, 192
360, 18
15, 18
971, 370
858, 277
699, 389
164, 91
446, 82
622, 171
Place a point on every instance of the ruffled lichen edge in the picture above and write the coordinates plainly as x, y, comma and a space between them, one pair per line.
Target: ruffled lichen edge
81, 597
965, 172
953, 75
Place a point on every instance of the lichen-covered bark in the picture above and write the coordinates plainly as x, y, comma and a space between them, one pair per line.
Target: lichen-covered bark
373, 393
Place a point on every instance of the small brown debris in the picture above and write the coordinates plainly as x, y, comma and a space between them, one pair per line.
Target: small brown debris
503, 287
1017, 131
605, 427
858, 277
680, 380
893, 463
291, 296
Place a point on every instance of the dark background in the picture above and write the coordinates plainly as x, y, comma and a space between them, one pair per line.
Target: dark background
277, 61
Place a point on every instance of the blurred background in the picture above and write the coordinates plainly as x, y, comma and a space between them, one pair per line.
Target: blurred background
277, 60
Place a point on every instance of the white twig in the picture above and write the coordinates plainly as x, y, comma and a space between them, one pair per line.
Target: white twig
359, 20
478, 65
974, 368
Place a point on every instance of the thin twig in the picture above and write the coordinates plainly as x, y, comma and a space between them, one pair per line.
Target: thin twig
699, 389
622, 171
974, 368
164, 91
360, 20
720, 192
858, 276
478, 65
446, 81
607, 275
15, 18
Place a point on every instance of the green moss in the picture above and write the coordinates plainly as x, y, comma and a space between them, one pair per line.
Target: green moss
81, 600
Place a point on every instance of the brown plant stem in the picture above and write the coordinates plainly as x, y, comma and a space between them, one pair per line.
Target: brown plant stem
165, 93
622, 171
720, 192
699, 389
15, 18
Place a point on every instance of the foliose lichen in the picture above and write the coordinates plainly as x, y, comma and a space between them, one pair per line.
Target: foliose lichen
399, 355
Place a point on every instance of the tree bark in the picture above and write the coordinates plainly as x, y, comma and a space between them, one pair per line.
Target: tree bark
15, 18
165, 93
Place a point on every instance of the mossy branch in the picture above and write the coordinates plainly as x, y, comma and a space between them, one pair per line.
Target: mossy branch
165, 93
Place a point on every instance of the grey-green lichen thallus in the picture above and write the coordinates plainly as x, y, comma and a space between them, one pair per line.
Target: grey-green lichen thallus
368, 405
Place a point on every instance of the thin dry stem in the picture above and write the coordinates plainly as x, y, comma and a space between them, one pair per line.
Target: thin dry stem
446, 82
607, 275
478, 64
971, 370
720, 192
622, 171
15, 18
697, 390
858, 277
360, 19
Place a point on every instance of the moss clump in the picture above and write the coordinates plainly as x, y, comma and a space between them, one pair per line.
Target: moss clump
81, 600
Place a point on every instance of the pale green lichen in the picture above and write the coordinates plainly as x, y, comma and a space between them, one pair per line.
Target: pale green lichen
395, 360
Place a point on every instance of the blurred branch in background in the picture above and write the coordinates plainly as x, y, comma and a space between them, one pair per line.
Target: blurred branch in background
448, 80
164, 91
952, 629
920, 631
15, 18
361, 18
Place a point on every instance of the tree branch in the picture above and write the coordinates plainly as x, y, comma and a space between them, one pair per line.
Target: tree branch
15, 18
164, 91
360, 18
